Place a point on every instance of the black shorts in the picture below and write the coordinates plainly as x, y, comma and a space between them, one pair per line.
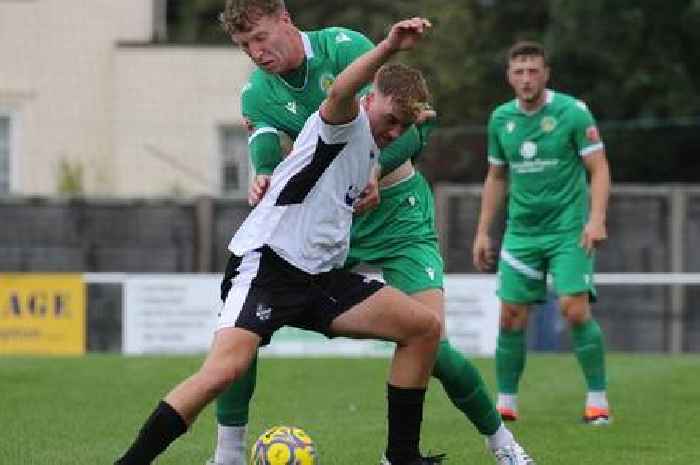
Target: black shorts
261, 292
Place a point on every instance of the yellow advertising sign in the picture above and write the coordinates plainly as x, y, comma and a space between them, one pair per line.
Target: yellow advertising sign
42, 313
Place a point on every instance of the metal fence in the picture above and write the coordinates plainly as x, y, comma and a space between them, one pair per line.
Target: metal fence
651, 228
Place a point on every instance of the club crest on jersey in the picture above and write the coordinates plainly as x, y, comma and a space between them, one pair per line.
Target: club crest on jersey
291, 106
528, 150
548, 124
326, 81
510, 126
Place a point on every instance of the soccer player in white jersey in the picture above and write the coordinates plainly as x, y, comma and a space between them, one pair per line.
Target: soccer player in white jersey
290, 249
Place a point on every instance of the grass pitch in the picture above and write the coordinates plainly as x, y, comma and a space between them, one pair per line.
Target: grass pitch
86, 410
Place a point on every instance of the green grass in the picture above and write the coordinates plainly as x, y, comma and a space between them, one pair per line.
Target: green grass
85, 411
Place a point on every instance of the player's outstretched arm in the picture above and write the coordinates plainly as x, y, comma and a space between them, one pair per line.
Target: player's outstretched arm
340, 105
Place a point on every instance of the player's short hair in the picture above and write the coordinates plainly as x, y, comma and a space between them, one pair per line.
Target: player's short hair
527, 48
241, 15
406, 86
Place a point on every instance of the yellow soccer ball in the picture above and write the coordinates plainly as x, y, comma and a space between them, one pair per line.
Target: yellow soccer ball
284, 445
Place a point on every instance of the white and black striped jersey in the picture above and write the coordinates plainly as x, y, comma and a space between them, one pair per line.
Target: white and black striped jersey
306, 214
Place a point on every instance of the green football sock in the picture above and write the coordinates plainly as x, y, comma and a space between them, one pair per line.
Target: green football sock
587, 340
510, 360
233, 404
465, 388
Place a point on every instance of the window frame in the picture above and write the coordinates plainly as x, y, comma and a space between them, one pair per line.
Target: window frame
245, 173
13, 153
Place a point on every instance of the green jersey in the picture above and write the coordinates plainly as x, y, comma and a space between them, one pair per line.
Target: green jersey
543, 150
273, 102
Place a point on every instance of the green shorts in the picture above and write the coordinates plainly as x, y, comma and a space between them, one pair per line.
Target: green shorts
399, 237
526, 260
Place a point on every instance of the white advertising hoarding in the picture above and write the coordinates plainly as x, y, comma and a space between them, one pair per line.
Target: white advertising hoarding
169, 313
177, 314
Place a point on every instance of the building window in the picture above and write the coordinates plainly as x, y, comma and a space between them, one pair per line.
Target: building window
4, 154
234, 160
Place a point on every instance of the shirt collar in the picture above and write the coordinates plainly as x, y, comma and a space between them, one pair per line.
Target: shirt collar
548, 97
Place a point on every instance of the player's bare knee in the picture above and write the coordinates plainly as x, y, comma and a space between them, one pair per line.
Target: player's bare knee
433, 329
513, 316
221, 378
575, 308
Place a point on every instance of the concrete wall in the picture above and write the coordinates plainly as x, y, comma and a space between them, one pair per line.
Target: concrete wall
168, 105
75, 94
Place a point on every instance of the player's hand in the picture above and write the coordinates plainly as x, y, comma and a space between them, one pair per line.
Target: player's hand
483, 255
405, 34
248, 125
258, 188
369, 197
593, 234
425, 115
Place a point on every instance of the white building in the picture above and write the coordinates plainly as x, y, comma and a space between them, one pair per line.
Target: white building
83, 86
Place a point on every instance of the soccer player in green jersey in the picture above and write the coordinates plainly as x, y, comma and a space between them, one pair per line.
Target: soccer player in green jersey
294, 70
541, 146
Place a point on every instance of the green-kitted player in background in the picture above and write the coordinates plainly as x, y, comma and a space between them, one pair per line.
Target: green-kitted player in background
294, 70
541, 145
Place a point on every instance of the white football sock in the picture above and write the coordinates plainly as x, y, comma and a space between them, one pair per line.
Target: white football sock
501, 438
597, 399
509, 401
230, 445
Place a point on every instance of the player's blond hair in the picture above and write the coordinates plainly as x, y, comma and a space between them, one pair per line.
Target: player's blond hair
406, 86
241, 15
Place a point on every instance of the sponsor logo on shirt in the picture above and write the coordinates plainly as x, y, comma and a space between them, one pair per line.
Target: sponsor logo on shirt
291, 106
528, 150
533, 166
351, 195
431, 272
510, 126
263, 312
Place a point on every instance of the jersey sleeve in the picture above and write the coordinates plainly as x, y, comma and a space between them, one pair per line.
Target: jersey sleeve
408, 146
339, 133
495, 153
585, 131
263, 142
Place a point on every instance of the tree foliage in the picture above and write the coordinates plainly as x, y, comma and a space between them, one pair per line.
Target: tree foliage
634, 63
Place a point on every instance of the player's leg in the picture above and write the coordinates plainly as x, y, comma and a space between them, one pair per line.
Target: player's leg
418, 272
233, 405
522, 280
572, 270
232, 411
399, 237
239, 333
391, 315
229, 357
511, 354
467, 391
